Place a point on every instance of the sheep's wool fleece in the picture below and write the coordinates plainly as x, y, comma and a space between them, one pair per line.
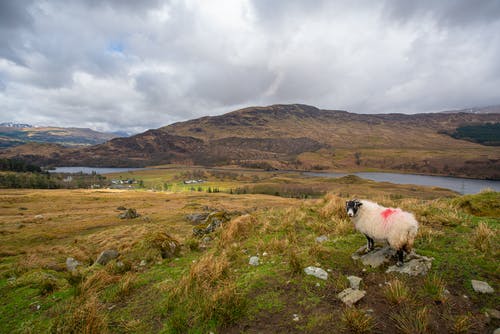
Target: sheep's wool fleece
380, 223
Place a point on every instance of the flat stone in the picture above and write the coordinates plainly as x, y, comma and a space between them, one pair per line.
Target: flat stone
351, 296
254, 261
377, 257
419, 265
495, 314
321, 239
497, 331
354, 282
316, 272
482, 287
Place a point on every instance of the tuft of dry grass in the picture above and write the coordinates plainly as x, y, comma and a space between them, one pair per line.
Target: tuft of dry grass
238, 229
462, 324
126, 284
334, 207
397, 292
83, 316
96, 281
295, 263
205, 273
483, 238
343, 227
357, 321
409, 321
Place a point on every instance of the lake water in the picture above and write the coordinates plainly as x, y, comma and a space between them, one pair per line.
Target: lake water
460, 185
89, 170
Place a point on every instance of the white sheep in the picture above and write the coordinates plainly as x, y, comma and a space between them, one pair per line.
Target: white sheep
378, 223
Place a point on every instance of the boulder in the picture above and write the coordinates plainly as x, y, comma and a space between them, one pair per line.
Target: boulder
316, 272
481, 287
351, 296
196, 218
106, 256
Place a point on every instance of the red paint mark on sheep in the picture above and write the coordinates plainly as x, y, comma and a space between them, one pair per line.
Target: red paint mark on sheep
388, 212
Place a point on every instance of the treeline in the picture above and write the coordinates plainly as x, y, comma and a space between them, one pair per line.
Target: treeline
15, 165
27, 180
486, 134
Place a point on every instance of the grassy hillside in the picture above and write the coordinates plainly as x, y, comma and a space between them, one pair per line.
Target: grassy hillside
207, 283
299, 137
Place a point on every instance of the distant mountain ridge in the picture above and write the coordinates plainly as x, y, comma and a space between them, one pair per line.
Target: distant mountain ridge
15, 134
495, 109
15, 125
299, 137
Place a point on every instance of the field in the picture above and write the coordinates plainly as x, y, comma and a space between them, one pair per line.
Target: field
168, 281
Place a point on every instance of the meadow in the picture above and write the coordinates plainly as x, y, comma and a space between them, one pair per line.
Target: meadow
205, 284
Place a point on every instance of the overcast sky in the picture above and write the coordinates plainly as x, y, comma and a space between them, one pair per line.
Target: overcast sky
133, 65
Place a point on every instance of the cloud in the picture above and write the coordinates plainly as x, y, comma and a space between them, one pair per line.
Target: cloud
133, 65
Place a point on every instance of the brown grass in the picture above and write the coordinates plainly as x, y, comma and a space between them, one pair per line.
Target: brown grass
83, 316
357, 321
238, 229
483, 238
334, 207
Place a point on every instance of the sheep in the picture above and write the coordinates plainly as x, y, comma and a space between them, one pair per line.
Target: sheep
376, 222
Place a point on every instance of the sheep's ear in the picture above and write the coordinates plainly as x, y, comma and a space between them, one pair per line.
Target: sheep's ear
359, 203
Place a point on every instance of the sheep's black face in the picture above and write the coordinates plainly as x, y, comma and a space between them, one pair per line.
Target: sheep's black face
352, 207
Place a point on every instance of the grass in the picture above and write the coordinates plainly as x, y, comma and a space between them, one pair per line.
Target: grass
190, 285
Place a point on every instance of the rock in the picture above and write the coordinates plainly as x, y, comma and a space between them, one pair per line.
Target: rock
197, 218
254, 261
211, 222
482, 287
121, 208
264, 254
321, 239
419, 265
354, 282
497, 331
351, 296
207, 239
296, 317
106, 256
495, 314
39, 217
374, 258
164, 243
129, 214
492, 313
316, 272
120, 264
71, 264
143, 263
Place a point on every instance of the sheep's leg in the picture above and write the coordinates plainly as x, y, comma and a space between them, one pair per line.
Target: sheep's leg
370, 243
400, 256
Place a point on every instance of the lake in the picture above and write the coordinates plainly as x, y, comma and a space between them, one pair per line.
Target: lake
460, 185
89, 170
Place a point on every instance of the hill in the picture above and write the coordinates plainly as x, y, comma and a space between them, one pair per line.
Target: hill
12, 134
304, 138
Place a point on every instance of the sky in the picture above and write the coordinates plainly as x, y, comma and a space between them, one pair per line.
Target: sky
126, 65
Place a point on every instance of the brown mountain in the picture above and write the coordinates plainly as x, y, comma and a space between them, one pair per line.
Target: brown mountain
304, 137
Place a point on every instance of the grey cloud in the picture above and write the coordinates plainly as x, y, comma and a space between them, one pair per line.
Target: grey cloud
132, 65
